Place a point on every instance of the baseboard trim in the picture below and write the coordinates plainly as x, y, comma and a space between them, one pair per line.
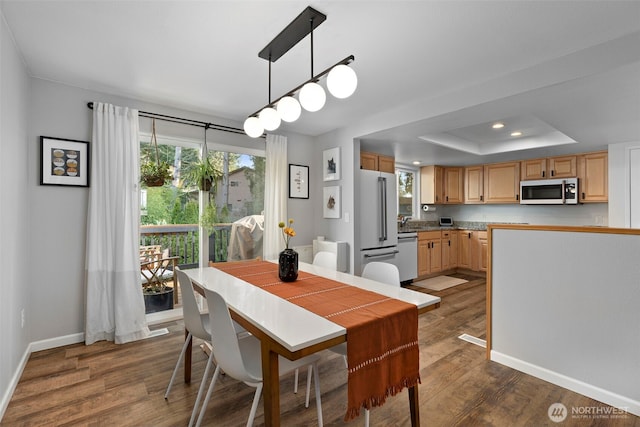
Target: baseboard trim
56, 342
589, 390
14, 381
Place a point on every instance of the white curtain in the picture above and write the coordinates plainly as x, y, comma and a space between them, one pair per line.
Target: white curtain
275, 194
115, 305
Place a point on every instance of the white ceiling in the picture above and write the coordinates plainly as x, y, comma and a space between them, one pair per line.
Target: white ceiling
430, 73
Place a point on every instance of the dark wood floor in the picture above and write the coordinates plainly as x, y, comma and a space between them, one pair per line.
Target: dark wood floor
108, 385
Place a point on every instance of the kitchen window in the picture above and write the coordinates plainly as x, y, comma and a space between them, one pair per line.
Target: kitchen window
407, 192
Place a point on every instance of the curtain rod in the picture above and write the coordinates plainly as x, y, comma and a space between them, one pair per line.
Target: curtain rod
183, 121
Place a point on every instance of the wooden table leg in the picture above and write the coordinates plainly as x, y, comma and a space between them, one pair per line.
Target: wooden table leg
414, 406
187, 358
271, 386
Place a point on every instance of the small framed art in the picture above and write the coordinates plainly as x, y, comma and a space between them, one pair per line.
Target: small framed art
64, 162
298, 182
331, 202
331, 164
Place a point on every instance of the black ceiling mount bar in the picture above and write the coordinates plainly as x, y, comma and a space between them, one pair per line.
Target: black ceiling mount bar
183, 121
349, 59
292, 34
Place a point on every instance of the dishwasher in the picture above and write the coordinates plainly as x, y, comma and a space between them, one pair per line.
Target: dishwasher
407, 259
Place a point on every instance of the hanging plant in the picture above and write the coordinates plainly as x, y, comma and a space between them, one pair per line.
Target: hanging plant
155, 174
202, 174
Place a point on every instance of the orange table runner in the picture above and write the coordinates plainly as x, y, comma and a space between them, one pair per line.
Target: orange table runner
382, 332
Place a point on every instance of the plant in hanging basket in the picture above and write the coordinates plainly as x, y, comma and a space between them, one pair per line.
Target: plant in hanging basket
202, 174
155, 174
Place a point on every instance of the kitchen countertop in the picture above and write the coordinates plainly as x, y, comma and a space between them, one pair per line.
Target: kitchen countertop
413, 226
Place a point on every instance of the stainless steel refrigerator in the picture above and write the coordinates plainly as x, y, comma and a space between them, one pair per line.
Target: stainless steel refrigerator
378, 217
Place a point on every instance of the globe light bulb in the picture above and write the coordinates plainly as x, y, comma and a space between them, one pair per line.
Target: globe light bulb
289, 109
269, 118
342, 81
253, 128
312, 97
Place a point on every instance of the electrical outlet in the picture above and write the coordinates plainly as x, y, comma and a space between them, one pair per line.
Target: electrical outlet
22, 317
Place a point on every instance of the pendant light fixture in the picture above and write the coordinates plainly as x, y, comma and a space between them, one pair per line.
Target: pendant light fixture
341, 80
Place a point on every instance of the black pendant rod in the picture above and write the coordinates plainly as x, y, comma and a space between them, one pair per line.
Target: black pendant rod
346, 61
182, 121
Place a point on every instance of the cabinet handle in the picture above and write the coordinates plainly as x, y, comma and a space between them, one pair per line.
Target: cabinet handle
553, 173
543, 174
449, 242
446, 198
469, 235
481, 196
517, 197
583, 195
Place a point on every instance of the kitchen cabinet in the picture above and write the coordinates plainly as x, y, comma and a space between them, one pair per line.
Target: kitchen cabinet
502, 182
453, 185
429, 252
377, 162
551, 167
431, 185
441, 185
449, 242
593, 177
562, 167
474, 184
473, 250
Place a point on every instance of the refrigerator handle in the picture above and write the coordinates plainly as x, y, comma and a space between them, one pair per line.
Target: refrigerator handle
382, 187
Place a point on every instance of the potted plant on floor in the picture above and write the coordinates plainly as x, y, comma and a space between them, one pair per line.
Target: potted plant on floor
156, 273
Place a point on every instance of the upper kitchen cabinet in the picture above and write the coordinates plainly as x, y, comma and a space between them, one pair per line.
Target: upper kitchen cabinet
441, 185
431, 185
453, 185
377, 162
474, 184
552, 167
562, 167
502, 182
593, 177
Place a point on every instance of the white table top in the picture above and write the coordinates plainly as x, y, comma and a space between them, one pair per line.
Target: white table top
292, 326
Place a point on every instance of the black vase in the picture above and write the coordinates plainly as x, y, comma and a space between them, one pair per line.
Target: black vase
288, 265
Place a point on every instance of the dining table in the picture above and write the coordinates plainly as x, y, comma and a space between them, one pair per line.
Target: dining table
288, 330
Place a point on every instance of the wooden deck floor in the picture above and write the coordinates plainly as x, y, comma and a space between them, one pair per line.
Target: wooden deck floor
109, 385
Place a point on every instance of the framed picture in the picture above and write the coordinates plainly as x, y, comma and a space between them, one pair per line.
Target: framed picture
64, 162
331, 164
331, 202
298, 182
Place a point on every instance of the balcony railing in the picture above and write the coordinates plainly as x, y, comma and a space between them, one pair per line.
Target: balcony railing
182, 241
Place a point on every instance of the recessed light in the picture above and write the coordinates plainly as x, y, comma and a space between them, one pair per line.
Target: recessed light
497, 125
516, 133
416, 162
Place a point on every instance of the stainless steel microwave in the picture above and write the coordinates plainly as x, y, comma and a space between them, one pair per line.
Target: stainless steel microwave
549, 192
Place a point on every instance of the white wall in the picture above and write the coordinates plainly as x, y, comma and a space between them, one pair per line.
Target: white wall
624, 170
59, 213
565, 309
15, 288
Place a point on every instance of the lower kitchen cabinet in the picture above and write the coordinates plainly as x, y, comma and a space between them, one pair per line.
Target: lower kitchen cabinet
429, 252
449, 241
472, 250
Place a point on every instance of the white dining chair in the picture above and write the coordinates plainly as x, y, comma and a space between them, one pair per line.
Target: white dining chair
326, 259
382, 272
197, 325
241, 358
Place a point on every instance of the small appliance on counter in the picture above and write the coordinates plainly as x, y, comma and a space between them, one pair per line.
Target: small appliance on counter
446, 221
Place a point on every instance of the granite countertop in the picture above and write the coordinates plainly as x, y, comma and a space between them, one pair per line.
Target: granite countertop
418, 225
